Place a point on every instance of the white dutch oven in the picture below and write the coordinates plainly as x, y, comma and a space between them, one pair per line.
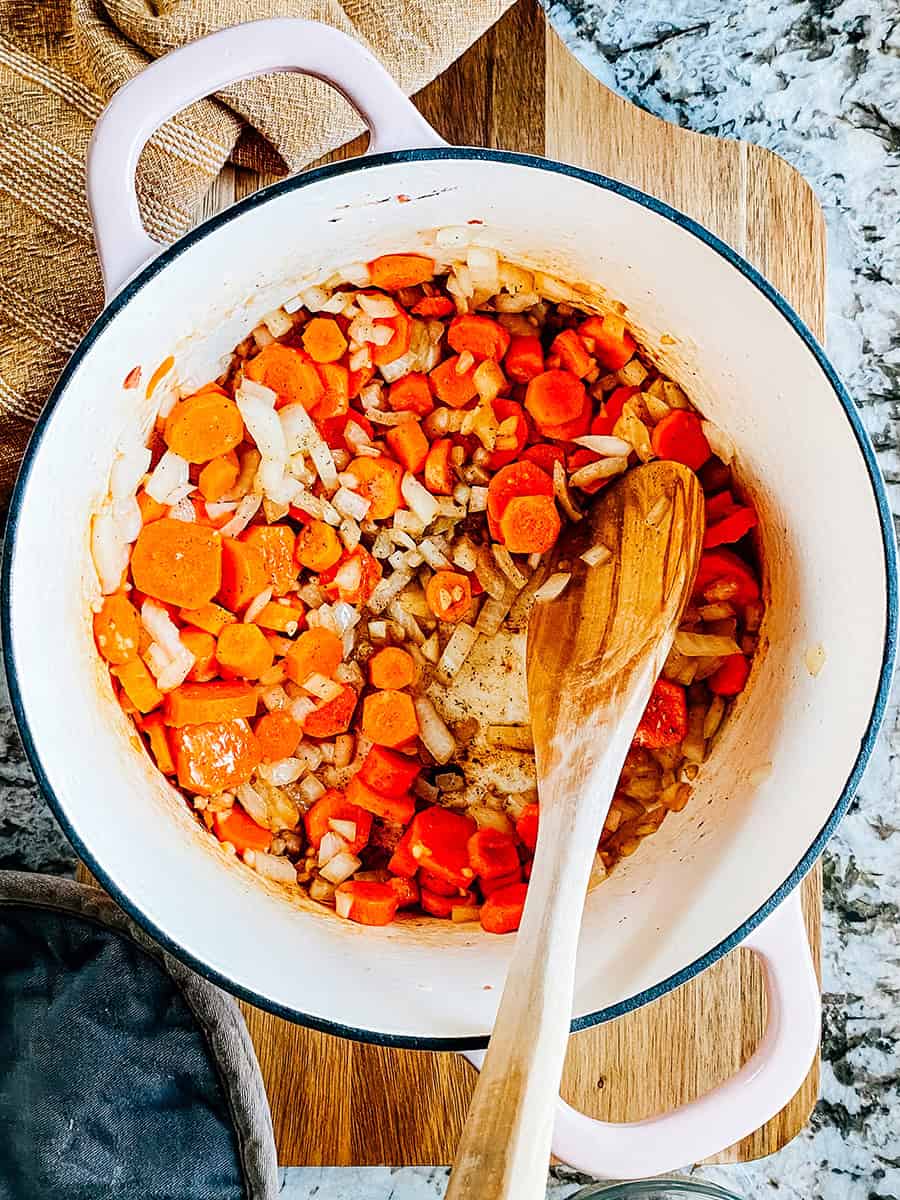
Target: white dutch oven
722, 872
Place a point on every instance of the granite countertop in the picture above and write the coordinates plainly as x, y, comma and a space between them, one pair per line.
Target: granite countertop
818, 81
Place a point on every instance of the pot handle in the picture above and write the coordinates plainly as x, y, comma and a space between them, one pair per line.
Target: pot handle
207, 66
734, 1109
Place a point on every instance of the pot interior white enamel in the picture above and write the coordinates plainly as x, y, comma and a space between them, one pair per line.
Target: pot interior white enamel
779, 775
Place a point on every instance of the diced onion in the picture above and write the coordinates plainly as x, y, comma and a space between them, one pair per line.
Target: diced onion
456, 651
433, 555
504, 561
263, 424
387, 588
344, 829
596, 555
608, 446
321, 687
274, 867
284, 771
253, 804
300, 708
376, 305
331, 845
341, 867
493, 612
704, 645
311, 789
562, 494
343, 903
274, 698
351, 504
719, 441
169, 473
244, 513
436, 737
553, 587
477, 499
604, 468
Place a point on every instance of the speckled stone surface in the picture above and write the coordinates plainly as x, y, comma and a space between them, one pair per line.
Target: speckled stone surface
818, 81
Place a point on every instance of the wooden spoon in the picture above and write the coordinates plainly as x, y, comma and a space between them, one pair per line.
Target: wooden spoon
593, 656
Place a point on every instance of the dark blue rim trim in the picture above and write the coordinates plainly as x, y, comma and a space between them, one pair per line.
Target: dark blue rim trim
762, 285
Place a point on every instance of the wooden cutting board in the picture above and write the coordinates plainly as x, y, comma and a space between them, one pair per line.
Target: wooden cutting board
337, 1103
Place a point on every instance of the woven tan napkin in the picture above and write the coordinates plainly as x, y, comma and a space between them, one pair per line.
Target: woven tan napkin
61, 60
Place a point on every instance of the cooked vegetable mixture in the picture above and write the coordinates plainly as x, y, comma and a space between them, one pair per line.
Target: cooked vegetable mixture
298, 568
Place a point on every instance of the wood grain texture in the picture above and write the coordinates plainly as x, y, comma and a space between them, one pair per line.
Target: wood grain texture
334, 1102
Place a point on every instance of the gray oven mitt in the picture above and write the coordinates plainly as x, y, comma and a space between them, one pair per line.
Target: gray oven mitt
123, 1075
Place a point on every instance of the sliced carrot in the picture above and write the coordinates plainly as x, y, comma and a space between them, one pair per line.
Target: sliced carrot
138, 684
389, 718
151, 510
281, 618
278, 735
407, 891
211, 617
334, 429
244, 650
680, 436
236, 827
543, 455
323, 340
336, 400
721, 566
524, 358
507, 411
439, 843
409, 445
449, 595
502, 911
434, 306
439, 478
378, 481
492, 853
289, 373
442, 906
367, 902
316, 651
399, 809
608, 339
731, 677
605, 422
276, 545
357, 380
527, 826
388, 772
318, 546
412, 394
555, 397
452, 386
203, 647
730, 528
204, 426
210, 703
334, 806
399, 343
481, 336
665, 720
333, 717
719, 506
518, 479
219, 476
392, 667
353, 579
402, 862
155, 729
571, 352
213, 757
244, 574
178, 562
436, 885
117, 627
577, 427
530, 525
393, 271
489, 886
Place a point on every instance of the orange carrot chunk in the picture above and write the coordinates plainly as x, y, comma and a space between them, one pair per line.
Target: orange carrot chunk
399, 809
389, 718
731, 528
608, 339
244, 650
316, 651
178, 562
117, 627
334, 806
393, 271
439, 477
278, 735
530, 525
367, 902
318, 546
724, 567
211, 617
572, 354
378, 481
439, 843
398, 345
151, 510
605, 422
336, 400
203, 647
502, 911
434, 306
353, 579
276, 545
481, 336
219, 476
409, 445
730, 678
323, 340
208, 703
518, 479
388, 772
392, 667
449, 595
680, 436
454, 387
665, 720
407, 890
555, 397
412, 394
493, 853
155, 729
524, 358
138, 685
204, 426
214, 757
281, 618
332, 717
236, 827
244, 574
527, 826
289, 373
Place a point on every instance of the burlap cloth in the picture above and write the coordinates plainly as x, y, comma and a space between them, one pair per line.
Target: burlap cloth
61, 60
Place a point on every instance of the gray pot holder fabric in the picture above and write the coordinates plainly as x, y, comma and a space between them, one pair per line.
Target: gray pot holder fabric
123, 1075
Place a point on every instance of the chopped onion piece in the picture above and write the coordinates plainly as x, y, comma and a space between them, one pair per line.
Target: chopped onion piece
489, 576
300, 710
128, 518
344, 746
341, 867
274, 698
220, 508
246, 510
344, 829
494, 611
504, 561
719, 442
431, 648
460, 913
436, 737
406, 621
433, 555
253, 804
311, 789
408, 522
357, 274
387, 588
465, 555
376, 305
183, 510
604, 468
278, 323
596, 555
169, 473
553, 587
264, 425
330, 846
350, 533
456, 651
343, 903
704, 645
477, 499
258, 391
284, 771
350, 504
608, 446
274, 867
323, 688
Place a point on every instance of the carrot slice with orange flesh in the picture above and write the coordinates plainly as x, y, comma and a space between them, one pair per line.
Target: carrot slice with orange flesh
731, 528
527, 826
412, 394
577, 427
722, 566
393, 271
316, 651
409, 445
680, 436
378, 481
281, 618
318, 546
278, 735
211, 617
323, 340
388, 772
481, 336
203, 647
609, 340
151, 510
554, 398
530, 524
434, 306
665, 720
492, 853
276, 545
209, 703
244, 574
353, 579
163, 369
571, 352
138, 684
449, 595
407, 890
543, 455
204, 426
336, 399
731, 677
502, 911
518, 479
333, 717
392, 667
219, 476
244, 650
178, 562
216, 756
155, 730
453, 387
367, 902
334, 806
507, 411
117, 628
289, 373
439, 477
389, 718
399, 343
524, 358
236, 827
399, 809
